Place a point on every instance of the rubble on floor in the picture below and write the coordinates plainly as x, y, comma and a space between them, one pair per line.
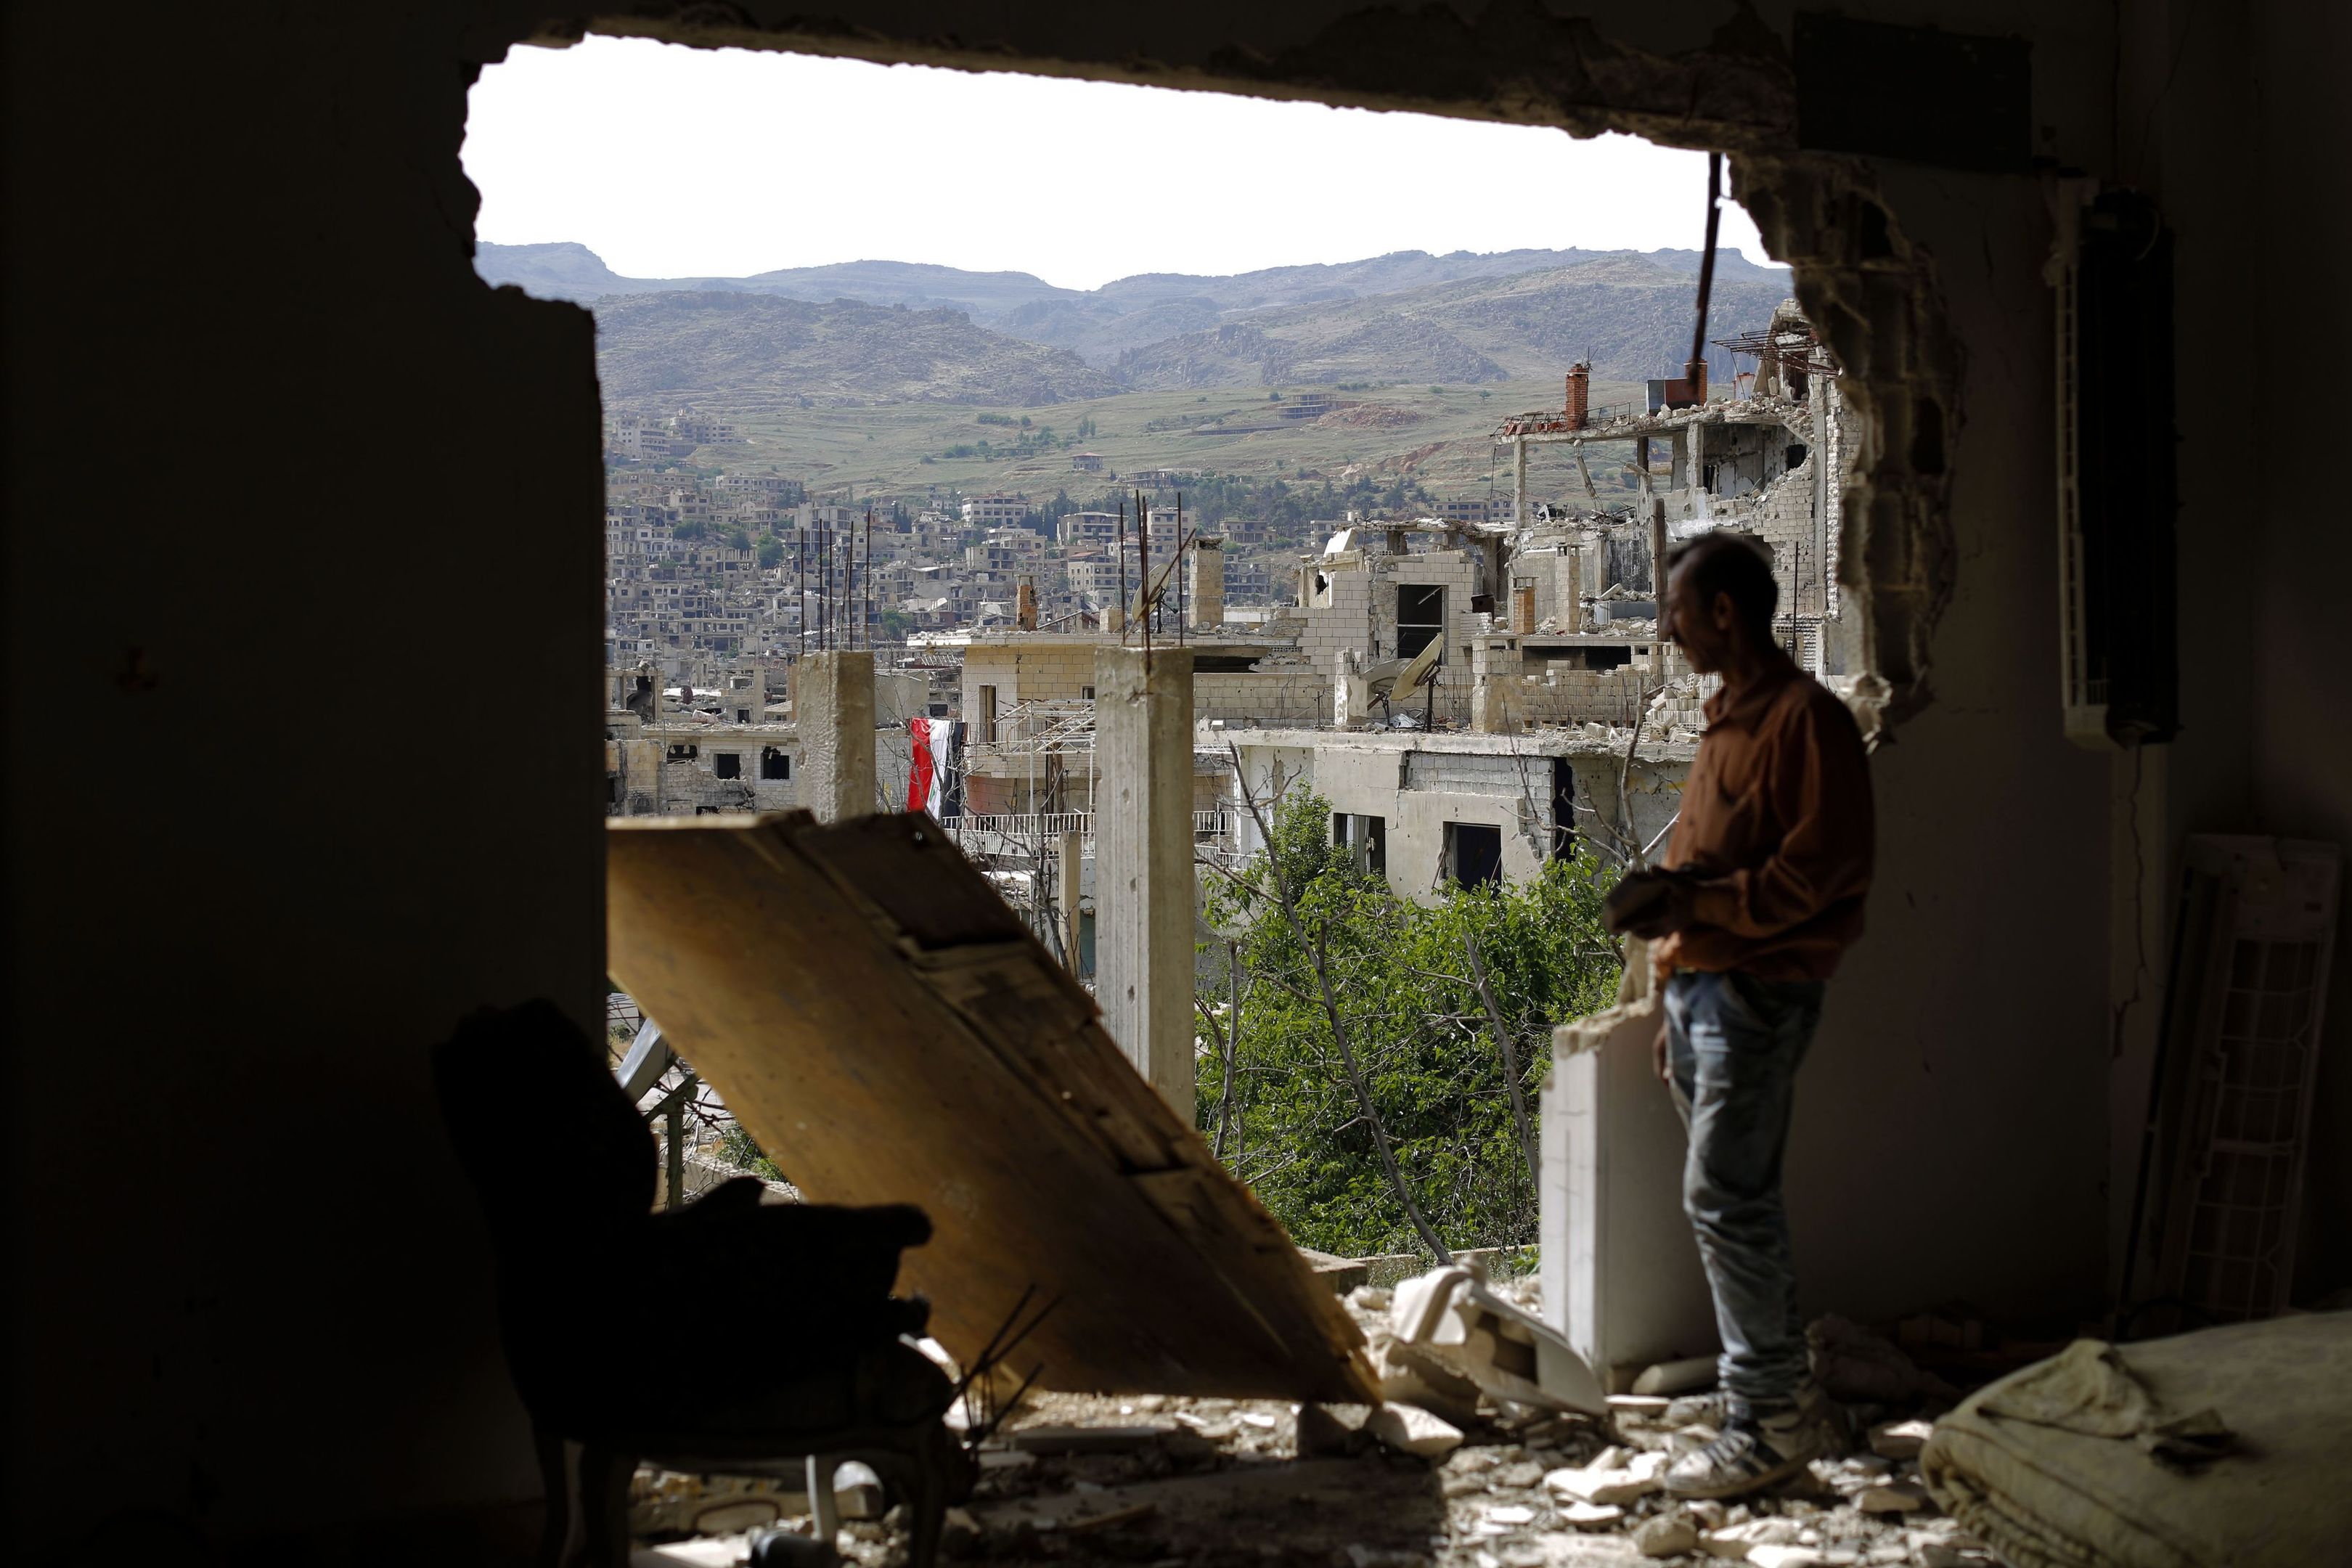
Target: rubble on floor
1154, 1480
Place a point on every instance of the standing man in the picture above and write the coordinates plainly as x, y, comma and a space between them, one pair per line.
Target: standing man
1768, 865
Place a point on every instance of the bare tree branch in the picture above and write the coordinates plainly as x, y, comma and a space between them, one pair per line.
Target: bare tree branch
1510, 1064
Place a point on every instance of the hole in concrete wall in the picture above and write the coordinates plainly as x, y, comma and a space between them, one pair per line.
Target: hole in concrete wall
726, 766
775, 763
1871, 290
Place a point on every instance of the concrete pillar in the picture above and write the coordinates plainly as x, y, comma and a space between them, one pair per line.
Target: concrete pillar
1208, 583
1658, 554
1074, 848
1114, 617
1520, 482
1571, 586
1143, 862
833, 709
1024, 606
1643, 487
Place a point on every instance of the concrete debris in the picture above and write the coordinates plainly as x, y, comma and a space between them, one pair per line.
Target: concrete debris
1449, 1315
1154, 1479
1740, 1542
1666, 1536
1786, 1557
1410, 1430
1902, 1497
1673, 1377
1611, 1482
1900, 1439
1090, 1439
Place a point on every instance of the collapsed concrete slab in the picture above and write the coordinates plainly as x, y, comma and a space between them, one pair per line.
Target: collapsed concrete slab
1450, 1316
890, 1032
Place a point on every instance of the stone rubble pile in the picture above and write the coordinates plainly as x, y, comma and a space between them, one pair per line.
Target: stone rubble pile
1257, 1483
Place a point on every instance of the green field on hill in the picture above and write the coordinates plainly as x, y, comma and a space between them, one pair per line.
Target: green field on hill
1438, 436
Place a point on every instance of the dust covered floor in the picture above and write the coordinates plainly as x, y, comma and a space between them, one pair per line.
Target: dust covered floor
1079, 1480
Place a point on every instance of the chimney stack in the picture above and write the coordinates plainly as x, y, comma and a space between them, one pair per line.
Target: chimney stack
1579, 394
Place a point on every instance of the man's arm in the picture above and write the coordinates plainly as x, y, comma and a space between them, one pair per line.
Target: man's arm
1820, 784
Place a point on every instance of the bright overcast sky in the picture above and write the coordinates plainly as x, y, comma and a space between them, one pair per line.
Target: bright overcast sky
672, 162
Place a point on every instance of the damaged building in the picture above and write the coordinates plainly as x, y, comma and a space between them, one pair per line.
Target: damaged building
2092, 641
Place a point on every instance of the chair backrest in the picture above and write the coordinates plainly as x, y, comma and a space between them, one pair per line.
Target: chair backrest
553, 1147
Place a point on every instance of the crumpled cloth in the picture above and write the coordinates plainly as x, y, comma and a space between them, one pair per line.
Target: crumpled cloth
2229, 1446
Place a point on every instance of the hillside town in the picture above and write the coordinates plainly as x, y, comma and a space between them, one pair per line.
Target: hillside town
1475, 696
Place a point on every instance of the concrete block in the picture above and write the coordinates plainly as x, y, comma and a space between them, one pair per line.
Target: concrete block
1620, 1269
1610, 1483
1408, 1429
1900, 1439
1666, 1536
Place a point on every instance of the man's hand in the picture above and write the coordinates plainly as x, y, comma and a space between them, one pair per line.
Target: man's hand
1659, 1056
1650, 904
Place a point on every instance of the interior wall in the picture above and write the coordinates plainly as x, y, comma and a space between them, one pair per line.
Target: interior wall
289, 495
1950, 1131
241, 246
2301, 253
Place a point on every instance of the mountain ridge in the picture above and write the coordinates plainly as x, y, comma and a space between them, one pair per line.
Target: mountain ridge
873, 331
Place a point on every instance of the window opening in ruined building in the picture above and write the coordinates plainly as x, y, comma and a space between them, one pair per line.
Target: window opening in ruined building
775, 762
1421, 618
684, 754
1473, 854
1365, 837
726, 766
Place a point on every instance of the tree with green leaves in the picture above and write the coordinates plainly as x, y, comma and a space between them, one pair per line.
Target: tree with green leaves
1371, 1062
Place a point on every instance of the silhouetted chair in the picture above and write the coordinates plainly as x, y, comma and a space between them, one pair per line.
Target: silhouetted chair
723, 1337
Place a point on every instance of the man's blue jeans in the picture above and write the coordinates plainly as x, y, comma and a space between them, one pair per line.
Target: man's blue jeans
1734, 1043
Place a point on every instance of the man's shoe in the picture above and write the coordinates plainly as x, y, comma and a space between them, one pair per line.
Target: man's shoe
1755, 1451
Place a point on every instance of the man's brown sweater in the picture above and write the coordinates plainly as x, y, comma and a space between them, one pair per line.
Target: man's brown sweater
1776, 819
